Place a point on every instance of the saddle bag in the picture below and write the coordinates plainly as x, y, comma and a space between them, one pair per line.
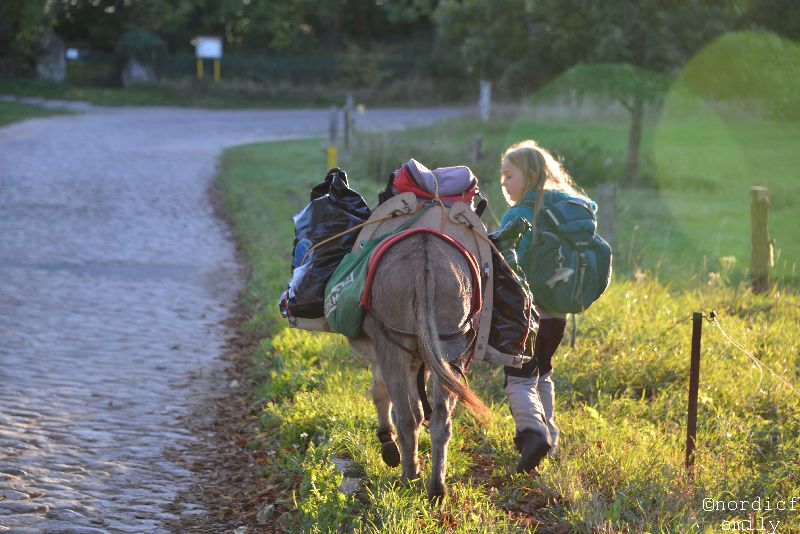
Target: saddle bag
513, 316
334, 208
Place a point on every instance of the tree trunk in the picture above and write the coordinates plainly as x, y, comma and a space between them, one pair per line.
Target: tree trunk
632, 175
362, 30
334, 27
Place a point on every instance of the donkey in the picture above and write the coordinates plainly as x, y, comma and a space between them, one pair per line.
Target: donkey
422, 288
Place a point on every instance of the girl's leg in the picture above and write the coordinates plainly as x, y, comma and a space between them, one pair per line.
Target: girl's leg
551, 331
532, 438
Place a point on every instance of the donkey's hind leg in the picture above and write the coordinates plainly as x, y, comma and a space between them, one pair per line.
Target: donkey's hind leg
396, 367
441, 428
383, 404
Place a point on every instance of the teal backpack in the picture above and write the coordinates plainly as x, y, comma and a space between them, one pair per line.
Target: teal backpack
569, 264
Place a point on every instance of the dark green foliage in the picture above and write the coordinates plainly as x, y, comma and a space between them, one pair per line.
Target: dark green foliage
779, 16
592, 163
22, 24
142, 45
488, 37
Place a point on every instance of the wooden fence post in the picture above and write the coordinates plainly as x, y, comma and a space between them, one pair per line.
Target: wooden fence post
761, 259
607, 213
476, 150
694, 385
485, 100
349, 107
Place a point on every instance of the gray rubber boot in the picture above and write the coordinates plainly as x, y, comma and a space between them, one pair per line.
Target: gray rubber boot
533, 437
547, 394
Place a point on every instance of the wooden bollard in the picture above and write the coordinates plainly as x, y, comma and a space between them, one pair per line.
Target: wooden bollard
333, 125
761, 260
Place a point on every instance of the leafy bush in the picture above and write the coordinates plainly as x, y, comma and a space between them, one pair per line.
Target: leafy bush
591, 164
742, 67
142, 45
361, 68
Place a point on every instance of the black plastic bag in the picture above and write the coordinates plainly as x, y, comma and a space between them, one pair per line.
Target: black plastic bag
513, 316
334, 208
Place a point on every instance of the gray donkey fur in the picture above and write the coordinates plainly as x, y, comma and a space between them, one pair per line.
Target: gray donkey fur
422, 285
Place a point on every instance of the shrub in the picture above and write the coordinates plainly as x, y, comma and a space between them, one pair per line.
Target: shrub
142, 45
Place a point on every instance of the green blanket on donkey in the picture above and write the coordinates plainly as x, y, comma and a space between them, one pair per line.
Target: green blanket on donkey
344, 290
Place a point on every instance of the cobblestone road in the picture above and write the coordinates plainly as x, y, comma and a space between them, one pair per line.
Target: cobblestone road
114, 277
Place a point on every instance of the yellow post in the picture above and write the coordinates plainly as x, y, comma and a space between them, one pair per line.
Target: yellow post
199, 69
216, 70
332, 157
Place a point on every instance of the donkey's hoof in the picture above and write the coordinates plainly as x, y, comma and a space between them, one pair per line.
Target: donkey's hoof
437, 492
390, 453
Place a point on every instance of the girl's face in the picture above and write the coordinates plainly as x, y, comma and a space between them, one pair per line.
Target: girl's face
513, 182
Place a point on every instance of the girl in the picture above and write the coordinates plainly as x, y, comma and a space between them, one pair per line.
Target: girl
531, 174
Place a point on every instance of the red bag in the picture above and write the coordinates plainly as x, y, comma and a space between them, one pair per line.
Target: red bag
455, 183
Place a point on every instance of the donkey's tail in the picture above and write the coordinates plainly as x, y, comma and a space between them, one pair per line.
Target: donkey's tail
430, 348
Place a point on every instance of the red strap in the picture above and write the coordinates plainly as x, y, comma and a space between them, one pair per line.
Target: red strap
386, 244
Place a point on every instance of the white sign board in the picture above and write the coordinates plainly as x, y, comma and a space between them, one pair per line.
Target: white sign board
208, 47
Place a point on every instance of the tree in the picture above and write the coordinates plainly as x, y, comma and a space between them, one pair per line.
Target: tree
630, 86
285, 26
643, 40
489, 37
779, 16
646, 40
22, 24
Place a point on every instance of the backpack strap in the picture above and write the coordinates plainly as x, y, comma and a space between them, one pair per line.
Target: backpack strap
536, 208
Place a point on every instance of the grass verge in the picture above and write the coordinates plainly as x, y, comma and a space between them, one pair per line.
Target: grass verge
621, 391
13, 112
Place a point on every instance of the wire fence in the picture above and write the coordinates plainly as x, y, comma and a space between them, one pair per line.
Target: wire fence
760, 365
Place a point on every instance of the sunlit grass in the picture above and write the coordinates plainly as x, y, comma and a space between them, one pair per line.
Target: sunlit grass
621, 391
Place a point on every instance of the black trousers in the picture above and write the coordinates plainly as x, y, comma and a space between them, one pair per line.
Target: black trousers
551, 332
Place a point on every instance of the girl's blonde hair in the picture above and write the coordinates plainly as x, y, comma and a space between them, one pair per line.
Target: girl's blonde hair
540, 169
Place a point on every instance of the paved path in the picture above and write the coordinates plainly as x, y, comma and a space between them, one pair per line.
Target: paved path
114, 277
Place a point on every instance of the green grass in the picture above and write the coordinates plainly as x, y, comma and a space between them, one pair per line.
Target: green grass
13, 112
621, 391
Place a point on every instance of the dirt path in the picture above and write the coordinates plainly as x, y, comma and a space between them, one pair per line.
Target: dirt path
116, 280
